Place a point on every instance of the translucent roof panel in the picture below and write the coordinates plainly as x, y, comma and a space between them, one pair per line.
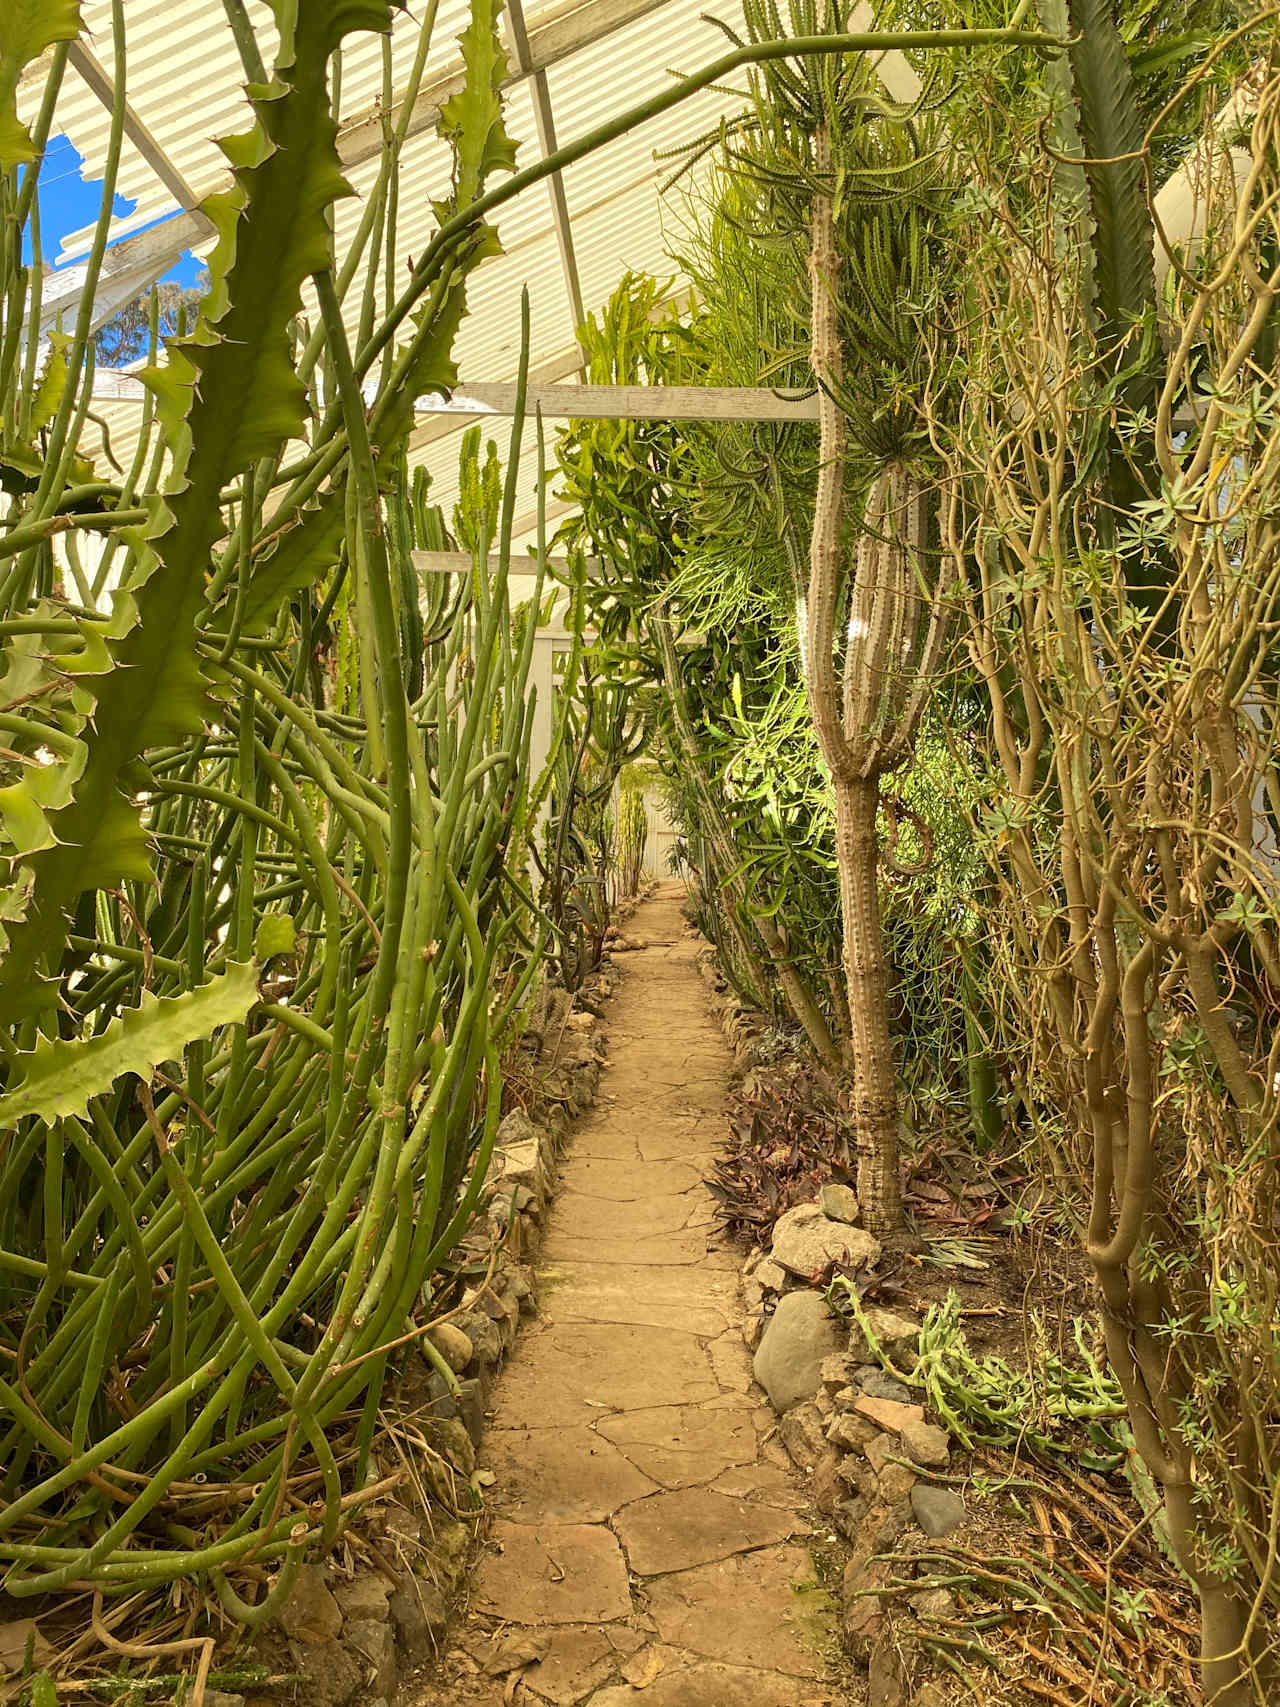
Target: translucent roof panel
184, 80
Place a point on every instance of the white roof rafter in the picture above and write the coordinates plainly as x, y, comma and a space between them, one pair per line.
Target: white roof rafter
544, 120
100, 82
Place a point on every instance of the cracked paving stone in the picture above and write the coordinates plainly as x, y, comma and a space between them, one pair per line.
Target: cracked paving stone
672, 1531
650, 1297
599, 1218
625, 1182
712, 1685
572, 1372
579, 1658
683, 1445
556, 1573
714, 1610
556, 1475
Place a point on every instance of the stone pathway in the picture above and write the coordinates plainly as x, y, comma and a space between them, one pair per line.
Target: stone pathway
648, 1539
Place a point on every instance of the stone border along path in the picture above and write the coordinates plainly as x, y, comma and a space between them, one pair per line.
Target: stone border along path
648, 1539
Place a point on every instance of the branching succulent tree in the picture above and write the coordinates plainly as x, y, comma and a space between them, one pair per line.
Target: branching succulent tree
847, 178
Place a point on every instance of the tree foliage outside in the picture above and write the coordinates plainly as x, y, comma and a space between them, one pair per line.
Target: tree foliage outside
147, 323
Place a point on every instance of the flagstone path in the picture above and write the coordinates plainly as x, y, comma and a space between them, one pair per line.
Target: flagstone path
648, 1544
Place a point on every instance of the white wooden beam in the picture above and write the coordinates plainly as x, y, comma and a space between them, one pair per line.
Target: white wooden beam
99, 80
459, 563
567, 402
545, 125
546, 372
627, 402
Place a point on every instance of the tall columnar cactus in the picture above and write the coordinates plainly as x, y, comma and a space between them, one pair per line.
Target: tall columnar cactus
867, 717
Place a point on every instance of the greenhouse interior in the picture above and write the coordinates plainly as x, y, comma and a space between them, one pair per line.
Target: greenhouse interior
640, 819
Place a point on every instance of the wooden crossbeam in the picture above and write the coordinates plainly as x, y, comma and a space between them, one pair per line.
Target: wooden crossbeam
568, 402
459, 563
627, 402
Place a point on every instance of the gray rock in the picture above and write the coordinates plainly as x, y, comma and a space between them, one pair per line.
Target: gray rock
929, 1695
788, 1361
835, 1374
848, 1516
374, 1645
332, 1677
518, 1158
450, 1438
364, 1596
877, 1385
839, 1203
880, 1450
892, 1526
927, 1445
849, 1432
440, 1401
769, 1274
807, 1242
886, 1676
937, 1510
310, 1614
801, 1432
420, 1615
472, 1397
895, 1482
484, 1334
932, 1603
898, 1336
448, 1550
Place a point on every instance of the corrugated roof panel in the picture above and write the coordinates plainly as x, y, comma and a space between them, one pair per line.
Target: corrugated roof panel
184, 81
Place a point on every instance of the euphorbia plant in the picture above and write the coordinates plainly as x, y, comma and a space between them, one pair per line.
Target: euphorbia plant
831, 167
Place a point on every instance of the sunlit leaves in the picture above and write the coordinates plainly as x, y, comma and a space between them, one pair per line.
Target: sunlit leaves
27, 28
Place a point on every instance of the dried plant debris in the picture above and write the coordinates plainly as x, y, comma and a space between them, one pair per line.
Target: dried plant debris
786, 1141
1063, 1595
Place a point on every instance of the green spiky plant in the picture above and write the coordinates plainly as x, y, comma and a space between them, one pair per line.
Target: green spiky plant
256, 919
633, 828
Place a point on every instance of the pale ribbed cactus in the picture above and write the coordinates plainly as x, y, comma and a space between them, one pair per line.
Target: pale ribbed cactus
865, 721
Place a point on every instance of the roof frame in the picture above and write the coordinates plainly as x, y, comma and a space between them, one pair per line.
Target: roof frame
545, 125
99, 81
627, 402
149, 254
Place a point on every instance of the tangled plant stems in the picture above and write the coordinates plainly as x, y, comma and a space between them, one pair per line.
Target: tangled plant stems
1110, 452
